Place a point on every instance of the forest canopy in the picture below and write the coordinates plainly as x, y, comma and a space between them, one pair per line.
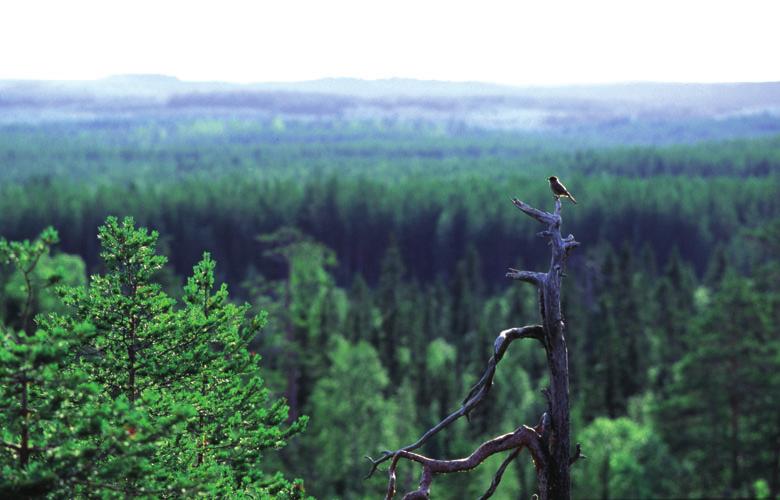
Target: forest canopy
378, 252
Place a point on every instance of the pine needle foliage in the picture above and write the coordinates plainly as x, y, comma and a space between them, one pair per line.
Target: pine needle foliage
129, 394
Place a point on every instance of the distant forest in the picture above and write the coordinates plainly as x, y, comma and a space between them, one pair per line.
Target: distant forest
379, 250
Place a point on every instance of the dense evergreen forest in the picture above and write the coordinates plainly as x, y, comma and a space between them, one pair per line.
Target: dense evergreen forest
378, 251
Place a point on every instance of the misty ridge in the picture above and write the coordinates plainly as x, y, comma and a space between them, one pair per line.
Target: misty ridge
644, 113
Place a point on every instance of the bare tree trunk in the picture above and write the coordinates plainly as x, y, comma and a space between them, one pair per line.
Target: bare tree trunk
558, 363
549, 285
549, 442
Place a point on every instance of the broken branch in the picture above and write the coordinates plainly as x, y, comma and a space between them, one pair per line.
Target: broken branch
527, 276
540, 215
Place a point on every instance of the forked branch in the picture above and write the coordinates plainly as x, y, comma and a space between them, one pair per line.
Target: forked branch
500, 474
523, 437
500, 345
475, 395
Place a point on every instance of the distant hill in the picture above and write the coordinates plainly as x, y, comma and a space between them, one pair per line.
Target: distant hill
579, 108
163, 86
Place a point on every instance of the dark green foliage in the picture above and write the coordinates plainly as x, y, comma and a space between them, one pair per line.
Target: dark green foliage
217, 191
726, 380
381, 266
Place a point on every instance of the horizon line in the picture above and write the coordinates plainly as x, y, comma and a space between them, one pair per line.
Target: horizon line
390, 79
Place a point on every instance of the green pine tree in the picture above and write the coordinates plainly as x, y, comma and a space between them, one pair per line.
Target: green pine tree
59, 437
220, 378
190, 362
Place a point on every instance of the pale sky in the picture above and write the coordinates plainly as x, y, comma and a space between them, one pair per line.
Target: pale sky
514, 42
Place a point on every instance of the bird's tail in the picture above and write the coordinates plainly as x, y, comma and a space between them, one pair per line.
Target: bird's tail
572, 199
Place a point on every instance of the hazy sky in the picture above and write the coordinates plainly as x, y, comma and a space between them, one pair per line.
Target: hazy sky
515, 42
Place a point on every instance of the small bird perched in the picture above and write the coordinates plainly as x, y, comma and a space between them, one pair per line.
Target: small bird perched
559, 190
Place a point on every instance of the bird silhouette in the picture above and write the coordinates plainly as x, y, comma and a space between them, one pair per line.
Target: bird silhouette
559, 190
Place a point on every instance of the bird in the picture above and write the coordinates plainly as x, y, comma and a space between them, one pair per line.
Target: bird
559, 190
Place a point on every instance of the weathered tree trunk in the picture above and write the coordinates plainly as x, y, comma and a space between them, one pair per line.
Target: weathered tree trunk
549, 285
549, 442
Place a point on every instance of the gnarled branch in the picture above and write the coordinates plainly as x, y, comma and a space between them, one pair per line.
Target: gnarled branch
500, 474
509, 335
500, 345
475, 395
523, 436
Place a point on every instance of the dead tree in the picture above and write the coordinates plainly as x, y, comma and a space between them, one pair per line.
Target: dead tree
549, 441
